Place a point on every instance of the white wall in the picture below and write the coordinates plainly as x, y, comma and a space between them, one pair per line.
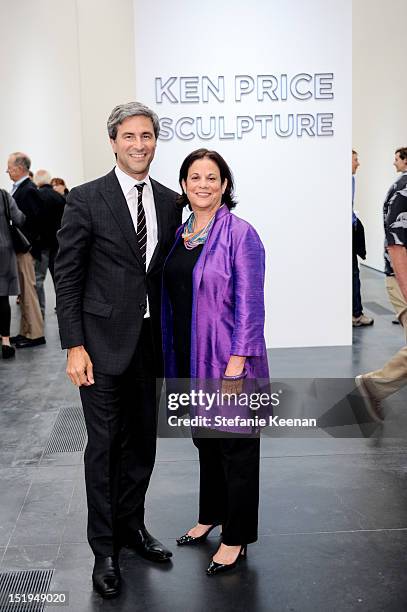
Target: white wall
107, 74
40, 99
379, 108
290, 189
64, 66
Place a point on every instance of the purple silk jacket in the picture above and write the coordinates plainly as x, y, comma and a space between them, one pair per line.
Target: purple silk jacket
227, 303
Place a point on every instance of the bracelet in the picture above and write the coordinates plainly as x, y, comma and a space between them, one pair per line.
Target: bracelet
237, 377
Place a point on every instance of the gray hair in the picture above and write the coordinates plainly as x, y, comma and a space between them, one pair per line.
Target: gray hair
22, 160
130, 109
42, 177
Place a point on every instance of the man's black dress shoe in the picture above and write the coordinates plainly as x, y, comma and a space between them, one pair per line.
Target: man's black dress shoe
17, 338
106, 577
147, 546
28, 342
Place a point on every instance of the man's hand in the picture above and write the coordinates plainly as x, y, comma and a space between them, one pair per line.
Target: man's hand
79, 367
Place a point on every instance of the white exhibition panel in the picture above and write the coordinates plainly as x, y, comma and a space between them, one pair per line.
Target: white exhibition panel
41, 101
268, 85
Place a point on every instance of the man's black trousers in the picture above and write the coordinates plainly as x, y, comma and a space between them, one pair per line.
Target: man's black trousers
121, 421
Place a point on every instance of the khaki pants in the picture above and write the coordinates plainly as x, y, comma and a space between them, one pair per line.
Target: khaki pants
32, 323
393, 375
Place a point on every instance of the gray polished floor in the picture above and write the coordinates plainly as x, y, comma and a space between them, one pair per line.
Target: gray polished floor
333, 511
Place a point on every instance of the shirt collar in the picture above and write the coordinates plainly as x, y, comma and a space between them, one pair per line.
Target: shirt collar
21, 180
127, 182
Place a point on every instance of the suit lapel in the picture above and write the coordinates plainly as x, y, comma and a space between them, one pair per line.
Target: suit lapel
114, 198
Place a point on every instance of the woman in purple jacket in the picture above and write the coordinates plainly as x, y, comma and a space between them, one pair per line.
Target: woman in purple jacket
213, 329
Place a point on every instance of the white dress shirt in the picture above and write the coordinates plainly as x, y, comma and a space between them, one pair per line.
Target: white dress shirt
128, 186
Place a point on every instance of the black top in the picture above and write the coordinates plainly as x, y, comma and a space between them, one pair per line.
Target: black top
29, 202
178, 282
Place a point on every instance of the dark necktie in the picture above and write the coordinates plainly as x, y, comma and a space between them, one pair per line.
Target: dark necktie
141, 223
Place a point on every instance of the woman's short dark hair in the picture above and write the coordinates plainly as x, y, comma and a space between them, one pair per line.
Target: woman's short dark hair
224, 170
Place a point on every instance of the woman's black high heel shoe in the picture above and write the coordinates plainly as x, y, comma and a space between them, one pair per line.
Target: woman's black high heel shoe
218, 568
7, 351
187, 539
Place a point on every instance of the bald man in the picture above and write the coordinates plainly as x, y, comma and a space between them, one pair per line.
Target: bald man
28, 200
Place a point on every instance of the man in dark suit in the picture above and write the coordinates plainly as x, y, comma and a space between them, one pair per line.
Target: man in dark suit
116, 232
50, 222
28, 200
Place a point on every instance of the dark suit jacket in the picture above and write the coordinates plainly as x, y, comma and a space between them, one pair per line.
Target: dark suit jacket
100, 280
29, 202
51, 216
